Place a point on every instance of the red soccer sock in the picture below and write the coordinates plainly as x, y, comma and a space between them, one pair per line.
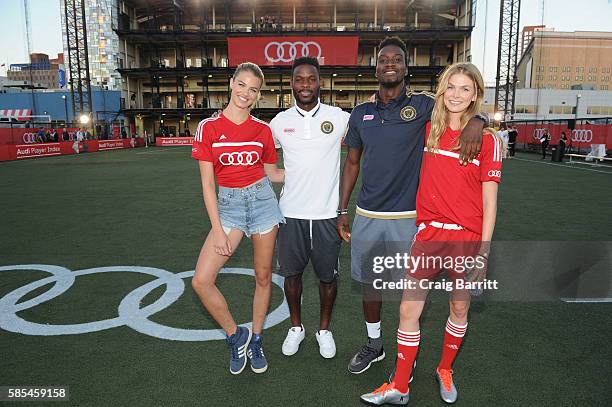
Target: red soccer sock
452, 342
407, 348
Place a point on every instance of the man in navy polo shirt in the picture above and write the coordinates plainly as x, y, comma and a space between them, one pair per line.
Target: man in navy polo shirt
389, 134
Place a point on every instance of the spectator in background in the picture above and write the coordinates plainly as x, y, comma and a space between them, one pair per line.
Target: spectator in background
562, 145
53, 136
123, 134
545, 140
40, 135
503, 134
512, 135
80, 135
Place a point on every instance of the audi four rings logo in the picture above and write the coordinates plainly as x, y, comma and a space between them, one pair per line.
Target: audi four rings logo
581, 136
538, 133
495, 173
239, 158
130, 311
288, 51
29, 138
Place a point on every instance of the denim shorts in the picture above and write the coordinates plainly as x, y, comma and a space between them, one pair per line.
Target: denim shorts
252, 209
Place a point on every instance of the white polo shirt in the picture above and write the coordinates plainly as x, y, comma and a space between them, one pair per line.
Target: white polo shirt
311, 143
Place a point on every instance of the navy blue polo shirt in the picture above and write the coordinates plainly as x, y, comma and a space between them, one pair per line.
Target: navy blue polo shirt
391, 138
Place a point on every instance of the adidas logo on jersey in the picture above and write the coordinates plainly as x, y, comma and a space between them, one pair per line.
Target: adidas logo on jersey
401, 356
222, 137
455, 347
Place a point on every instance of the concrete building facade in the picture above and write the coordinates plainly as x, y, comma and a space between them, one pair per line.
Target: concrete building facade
567, 60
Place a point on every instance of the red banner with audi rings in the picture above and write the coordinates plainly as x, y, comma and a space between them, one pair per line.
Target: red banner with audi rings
21, 151
581, 137
266, 51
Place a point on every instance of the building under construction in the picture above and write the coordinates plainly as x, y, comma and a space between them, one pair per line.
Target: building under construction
176, 56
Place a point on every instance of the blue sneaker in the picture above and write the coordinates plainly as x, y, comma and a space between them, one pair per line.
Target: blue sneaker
238, 343
259, 364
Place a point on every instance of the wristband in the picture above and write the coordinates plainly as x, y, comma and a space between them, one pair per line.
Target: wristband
342, 211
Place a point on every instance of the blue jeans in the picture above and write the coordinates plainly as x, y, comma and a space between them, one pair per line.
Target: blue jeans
252, 209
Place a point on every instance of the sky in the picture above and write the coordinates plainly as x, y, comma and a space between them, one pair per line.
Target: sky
563, 15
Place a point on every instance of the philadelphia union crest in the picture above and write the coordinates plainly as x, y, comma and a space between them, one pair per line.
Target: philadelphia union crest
327, 127
408, 113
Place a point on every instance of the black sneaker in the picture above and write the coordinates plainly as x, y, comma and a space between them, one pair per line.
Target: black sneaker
370, 352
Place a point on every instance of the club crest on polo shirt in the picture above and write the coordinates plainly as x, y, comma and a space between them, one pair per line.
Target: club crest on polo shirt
408, 113
288, 130
327, 127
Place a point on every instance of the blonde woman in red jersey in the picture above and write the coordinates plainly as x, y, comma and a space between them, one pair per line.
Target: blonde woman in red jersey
456, 210
236, 152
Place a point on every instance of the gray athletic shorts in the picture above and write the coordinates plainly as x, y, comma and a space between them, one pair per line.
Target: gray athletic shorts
372, 238
303, 240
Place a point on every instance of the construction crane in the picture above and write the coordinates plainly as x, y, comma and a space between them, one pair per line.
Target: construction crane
507, 53
28, 34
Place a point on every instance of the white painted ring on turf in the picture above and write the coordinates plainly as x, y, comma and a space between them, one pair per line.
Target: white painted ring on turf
143, 324
130, 313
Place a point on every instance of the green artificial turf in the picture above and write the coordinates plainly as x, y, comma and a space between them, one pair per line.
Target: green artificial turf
143, 207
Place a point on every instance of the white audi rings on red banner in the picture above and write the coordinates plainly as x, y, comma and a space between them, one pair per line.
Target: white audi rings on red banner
582, 136
538, 133
239, 158
29, 138
130, 312
288, 51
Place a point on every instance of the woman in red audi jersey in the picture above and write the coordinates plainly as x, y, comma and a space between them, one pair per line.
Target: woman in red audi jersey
237, 151
456, 210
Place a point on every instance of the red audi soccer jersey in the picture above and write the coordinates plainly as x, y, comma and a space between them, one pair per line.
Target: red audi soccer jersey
237, 151
452, 193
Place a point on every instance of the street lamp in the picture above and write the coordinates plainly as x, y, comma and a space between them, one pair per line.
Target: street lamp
498, 116
84, 119
65, 111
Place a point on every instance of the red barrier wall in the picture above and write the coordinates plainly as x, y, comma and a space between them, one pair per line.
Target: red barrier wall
581, 137
21, 135
173, 141
22, 151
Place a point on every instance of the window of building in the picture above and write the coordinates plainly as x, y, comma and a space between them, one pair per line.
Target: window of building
603, 87
579, 69
592, 70
560, 109
540, 77
605, 110
605, 70
605, 79
579, 77
540, 69
525, 109
567, 69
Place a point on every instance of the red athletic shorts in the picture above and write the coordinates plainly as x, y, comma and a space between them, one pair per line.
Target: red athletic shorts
436, 249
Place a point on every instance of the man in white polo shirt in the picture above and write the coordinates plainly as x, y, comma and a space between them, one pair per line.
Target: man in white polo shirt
310, 134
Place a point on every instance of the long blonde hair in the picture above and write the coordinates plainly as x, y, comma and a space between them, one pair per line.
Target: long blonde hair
439, 117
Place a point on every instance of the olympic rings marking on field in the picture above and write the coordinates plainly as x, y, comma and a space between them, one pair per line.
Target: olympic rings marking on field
580, 135
29, 138
239, 158
292, 50
129, 310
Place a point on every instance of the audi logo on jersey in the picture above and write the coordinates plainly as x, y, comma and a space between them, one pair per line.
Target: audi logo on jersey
239, 158
288, 51
494, 173
580, 136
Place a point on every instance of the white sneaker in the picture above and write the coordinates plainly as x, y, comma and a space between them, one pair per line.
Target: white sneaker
295, 336
327, 346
